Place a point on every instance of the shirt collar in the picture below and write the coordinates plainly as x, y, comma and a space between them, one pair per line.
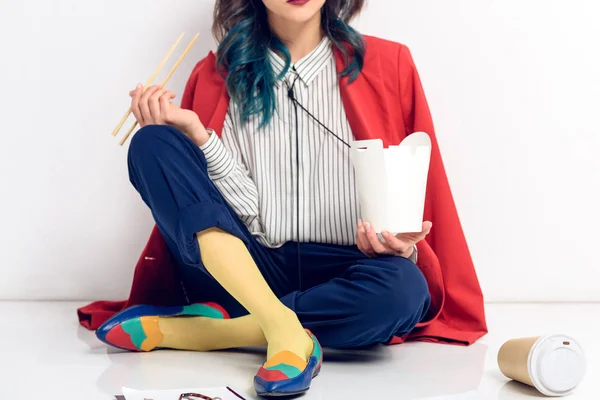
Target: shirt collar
309, 66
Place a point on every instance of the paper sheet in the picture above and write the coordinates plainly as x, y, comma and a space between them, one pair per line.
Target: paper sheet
391, 182
221, 393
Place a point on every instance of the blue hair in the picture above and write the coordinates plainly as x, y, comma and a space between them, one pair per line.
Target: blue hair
243, 58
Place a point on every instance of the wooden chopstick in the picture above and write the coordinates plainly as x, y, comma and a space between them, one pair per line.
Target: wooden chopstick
150, 82
185, 53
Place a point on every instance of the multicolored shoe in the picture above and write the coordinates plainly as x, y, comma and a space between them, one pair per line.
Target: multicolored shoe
136, 328
286, 374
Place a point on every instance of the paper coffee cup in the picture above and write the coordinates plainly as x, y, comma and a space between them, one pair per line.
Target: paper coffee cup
553, 364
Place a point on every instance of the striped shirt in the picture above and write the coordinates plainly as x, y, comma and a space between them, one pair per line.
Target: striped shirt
256, 168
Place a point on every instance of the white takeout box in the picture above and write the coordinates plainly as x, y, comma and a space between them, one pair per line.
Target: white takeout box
392, 182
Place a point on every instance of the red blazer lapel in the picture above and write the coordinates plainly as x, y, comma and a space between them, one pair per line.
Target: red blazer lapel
366, 105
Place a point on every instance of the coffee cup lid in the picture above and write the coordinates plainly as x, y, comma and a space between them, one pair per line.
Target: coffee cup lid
556, 365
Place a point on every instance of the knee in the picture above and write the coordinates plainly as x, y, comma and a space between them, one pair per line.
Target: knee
412, 299
149, 140
402, 297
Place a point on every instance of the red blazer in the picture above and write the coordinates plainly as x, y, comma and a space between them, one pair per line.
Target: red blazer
386, 101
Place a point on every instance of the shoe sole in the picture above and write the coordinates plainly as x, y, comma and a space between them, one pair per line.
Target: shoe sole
289, 394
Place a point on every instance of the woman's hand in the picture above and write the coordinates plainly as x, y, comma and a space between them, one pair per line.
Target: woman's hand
400, 245
154, 107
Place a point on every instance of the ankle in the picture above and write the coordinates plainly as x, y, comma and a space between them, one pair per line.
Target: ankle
283, 321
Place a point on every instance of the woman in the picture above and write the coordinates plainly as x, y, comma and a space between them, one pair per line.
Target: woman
252, 189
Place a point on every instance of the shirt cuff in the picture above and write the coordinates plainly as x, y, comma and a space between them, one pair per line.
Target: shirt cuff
219, 160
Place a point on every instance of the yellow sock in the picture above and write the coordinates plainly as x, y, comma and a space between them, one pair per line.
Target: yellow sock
206, 334
227, 259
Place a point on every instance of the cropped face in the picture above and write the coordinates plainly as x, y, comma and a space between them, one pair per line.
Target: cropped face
294, 10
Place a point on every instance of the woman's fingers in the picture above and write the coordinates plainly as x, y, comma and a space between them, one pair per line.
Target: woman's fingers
362, 241
145, 105
427, 225
155, 106
374, 241
166, 107
396, 244
135, 103
417, 236
369, 243
408, 237
151, 106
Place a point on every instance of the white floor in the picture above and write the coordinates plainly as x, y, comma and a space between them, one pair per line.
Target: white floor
45, 355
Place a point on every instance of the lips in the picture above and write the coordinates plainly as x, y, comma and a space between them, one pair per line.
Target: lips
298, 2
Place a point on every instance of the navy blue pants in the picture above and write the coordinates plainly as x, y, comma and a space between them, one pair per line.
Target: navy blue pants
347, 299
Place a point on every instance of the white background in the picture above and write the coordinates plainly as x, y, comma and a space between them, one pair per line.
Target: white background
513, 86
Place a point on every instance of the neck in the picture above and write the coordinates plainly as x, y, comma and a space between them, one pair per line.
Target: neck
299, 38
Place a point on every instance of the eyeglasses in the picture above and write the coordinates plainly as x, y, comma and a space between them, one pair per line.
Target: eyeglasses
196, 396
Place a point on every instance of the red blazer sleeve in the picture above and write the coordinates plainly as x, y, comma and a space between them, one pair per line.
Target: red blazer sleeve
205, 94
446, 244
417, 118
187, 101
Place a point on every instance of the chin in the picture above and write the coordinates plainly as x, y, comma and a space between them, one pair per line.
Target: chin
295, 13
